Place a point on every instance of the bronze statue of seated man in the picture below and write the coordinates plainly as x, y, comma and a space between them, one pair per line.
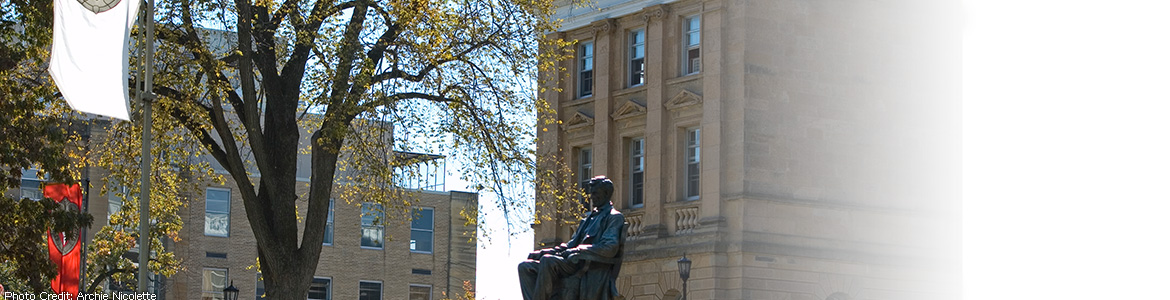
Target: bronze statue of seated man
586, 266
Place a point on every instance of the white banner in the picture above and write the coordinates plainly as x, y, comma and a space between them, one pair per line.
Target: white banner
90, 59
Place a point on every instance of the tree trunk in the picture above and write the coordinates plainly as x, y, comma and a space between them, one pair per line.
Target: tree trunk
286, 265
288, 279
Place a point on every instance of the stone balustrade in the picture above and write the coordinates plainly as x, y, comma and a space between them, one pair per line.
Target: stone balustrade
686, 219
634, 225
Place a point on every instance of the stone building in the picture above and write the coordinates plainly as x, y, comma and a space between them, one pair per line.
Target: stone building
793, 149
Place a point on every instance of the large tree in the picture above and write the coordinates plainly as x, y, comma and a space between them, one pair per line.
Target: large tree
246, 79
36, 135
38, 132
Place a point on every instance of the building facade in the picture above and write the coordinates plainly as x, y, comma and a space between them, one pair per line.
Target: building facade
792, 149
370, 252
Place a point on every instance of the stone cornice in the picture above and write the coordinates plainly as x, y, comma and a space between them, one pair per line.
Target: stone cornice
603, 26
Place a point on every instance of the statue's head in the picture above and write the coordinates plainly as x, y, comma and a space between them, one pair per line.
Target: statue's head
600, 189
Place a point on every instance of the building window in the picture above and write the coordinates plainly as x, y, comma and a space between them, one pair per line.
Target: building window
260, 287
329, 226
420, 292
692, 40
321, 288
637, 57
585, 64
217, 220
585, 166
422, 230
692, 160
214, 280
372, 230
115, 196
637, 170
30, 185
369, 290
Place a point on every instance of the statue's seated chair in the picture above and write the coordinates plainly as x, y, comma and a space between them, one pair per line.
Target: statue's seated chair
596, 269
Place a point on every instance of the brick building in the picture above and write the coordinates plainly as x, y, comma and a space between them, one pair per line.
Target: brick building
792, 149
369, 254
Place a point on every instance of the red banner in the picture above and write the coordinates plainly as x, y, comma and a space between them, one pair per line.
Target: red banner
64, 249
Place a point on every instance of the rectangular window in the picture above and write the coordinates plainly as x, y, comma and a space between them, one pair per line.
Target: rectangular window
115, 195
422, 230
692, 177
369, 290
585, 166
637, 57
420, 292
217, 219
585, 64
637, 170
692, 27
30, 185
329, 226
372, 230
321, 288
214, 280
260, 287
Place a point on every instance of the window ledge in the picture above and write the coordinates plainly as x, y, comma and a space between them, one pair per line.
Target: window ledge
682, 203
579, 101
630, 90
685, 78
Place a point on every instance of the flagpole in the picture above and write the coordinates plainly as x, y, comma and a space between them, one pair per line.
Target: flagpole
147, 97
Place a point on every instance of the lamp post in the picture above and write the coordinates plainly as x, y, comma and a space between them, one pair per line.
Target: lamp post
231, 292
684, 272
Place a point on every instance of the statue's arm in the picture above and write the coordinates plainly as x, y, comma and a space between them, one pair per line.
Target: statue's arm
576, 238
560, 249
606, 245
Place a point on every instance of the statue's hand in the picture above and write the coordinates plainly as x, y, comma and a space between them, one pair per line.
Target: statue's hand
572, 254
535, 255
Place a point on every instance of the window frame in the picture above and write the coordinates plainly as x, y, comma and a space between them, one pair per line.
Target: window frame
112, 188
261, 293
327, 240
687, 63
30, 176
204, 281
632, 47
584, 166
430, 290
692, 157
637, 166
381, 288
431, 231
583, 66
328, 287
376, 222
206, 211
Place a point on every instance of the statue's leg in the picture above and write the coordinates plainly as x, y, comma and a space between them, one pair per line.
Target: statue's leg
528, 270
550, 269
